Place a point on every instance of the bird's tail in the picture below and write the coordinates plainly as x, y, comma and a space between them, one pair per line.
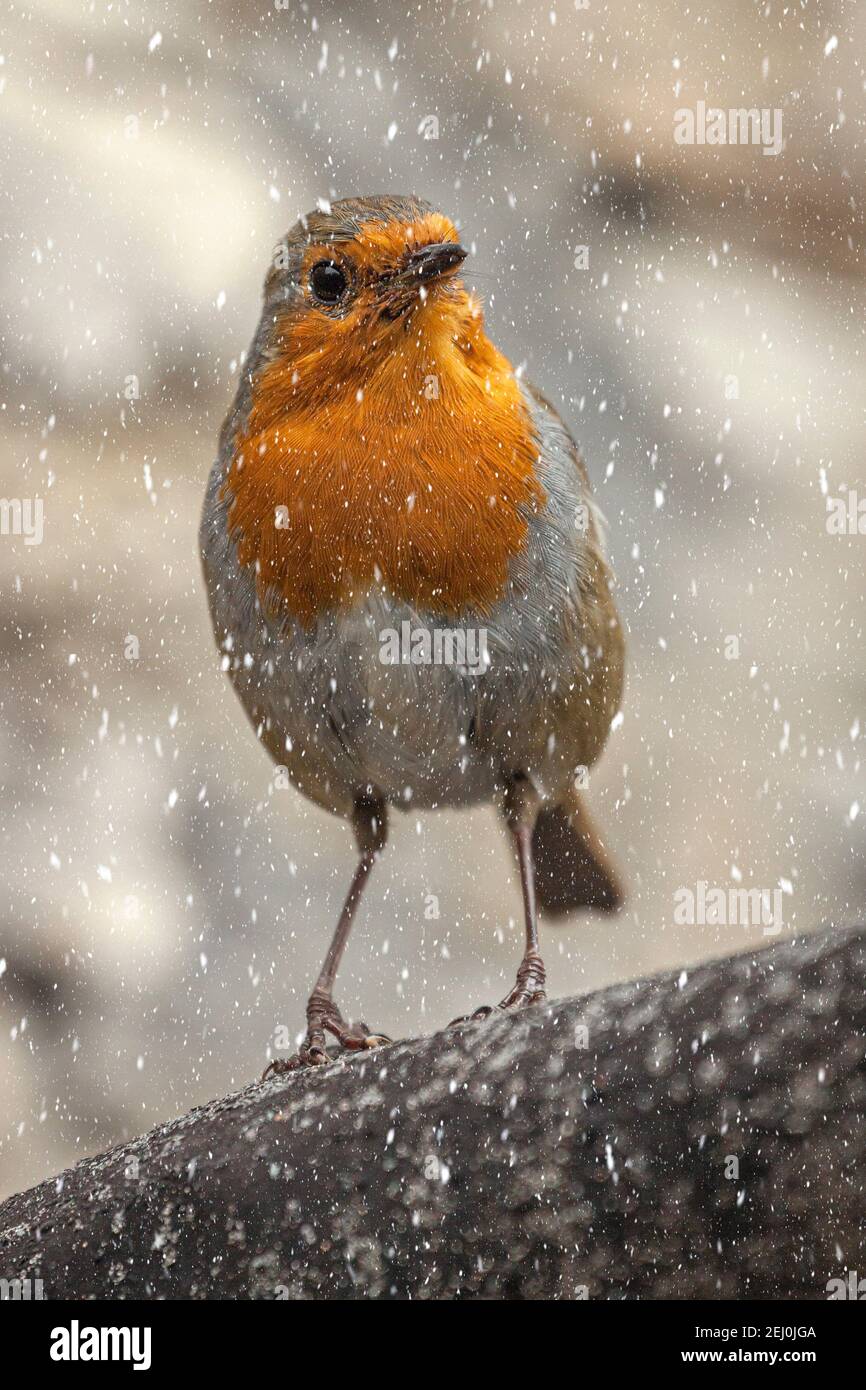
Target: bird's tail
572, 866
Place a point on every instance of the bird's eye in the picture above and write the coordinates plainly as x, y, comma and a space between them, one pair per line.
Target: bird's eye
327, 281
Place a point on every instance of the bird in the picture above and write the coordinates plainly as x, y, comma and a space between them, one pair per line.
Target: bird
385, 471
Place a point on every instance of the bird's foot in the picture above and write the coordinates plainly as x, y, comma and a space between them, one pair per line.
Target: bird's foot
528, 989
323, 1017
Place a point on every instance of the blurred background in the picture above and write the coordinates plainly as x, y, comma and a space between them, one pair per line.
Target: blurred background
164, 907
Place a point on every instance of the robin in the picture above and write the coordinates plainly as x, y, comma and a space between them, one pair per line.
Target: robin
385, 474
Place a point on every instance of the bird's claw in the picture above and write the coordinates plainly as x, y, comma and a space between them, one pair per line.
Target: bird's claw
484, 1011
360, 1042
520, 1000
307, 1057
357, 1039
528, 989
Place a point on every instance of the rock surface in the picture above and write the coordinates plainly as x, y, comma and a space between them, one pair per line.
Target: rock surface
693, 1136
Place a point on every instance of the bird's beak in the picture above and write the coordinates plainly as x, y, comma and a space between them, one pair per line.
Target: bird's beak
431, 262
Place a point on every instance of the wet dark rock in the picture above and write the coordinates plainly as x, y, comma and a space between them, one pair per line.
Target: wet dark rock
694, 1136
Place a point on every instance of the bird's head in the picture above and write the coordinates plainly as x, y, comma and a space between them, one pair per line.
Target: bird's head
362, 274
382, 428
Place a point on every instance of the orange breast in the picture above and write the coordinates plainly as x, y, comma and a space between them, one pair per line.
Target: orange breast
404, 466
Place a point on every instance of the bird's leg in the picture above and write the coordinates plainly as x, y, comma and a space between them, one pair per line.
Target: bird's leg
522, 805
521, 812
531, 978
323, 1015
